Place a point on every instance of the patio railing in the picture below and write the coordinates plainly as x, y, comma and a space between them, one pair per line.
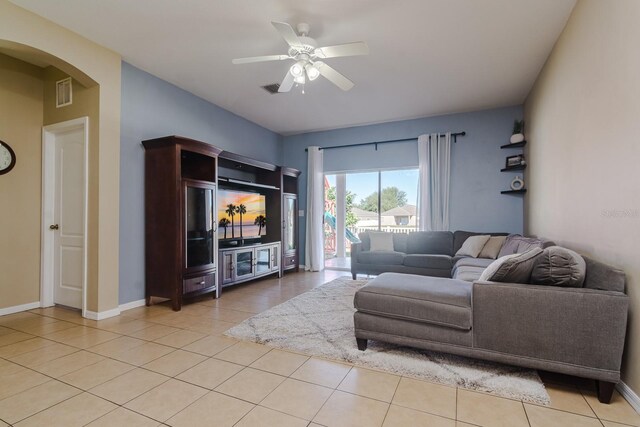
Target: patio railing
386, 228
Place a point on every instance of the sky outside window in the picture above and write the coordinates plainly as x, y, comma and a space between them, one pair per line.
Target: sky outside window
365, 183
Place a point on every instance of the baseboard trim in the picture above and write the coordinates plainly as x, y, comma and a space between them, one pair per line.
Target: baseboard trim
629, 395
132, 304
92, 315
19, 308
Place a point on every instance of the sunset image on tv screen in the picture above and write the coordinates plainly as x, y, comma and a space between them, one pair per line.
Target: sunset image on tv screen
241, 214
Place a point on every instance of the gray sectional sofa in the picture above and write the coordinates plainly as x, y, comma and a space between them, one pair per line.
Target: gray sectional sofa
428, 253
571, 330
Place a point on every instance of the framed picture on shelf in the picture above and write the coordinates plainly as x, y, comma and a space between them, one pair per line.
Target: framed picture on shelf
513, 161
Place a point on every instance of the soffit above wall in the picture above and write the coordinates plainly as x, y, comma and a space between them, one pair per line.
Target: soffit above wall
428, 57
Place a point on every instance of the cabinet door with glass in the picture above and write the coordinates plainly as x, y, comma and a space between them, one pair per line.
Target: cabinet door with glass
264, 259
244, 263
290, 243
200, 221
275, 258
227, 267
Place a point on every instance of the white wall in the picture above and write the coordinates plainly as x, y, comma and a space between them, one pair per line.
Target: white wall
583, 125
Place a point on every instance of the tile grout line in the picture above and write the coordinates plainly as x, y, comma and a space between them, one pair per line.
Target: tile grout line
456, 413
115, 409
594, 417
48, 407
391, 401
286, 377
524, 408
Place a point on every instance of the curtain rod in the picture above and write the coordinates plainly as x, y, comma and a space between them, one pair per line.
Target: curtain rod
454, 135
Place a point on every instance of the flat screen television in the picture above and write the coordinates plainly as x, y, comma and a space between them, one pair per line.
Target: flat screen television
241, 215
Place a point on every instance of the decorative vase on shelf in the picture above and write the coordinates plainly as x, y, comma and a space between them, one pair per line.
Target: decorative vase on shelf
517, 183
517, 137
518, 131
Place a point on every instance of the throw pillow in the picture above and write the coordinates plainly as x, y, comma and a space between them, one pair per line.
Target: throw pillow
559, 266
515, 268
473, 246
492, 248
490, 271
516, 244
381, 241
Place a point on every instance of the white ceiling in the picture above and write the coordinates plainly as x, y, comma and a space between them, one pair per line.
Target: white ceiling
428, 57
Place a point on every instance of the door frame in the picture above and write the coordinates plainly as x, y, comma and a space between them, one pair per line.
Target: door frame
47, 267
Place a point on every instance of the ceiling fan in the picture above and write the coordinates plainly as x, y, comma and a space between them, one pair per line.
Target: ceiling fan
308, 66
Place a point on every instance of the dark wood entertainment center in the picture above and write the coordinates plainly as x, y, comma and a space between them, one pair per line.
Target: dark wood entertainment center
182, 179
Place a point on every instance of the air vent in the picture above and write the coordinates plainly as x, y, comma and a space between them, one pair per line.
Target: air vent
63, 92
272, 88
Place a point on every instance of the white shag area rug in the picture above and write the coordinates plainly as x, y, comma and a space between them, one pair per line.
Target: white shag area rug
320, 323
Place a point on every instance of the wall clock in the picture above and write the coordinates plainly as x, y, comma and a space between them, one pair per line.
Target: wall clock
7, 158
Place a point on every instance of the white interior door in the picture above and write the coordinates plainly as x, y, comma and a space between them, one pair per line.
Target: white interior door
64, 213
68, 226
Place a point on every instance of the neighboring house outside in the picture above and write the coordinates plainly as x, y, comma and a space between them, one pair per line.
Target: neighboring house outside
401, 215
365, 218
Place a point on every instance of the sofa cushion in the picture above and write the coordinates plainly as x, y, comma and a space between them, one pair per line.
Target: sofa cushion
430, 242
467, 273
492, 248
428, 261
381, 241
460, 236
514, 268
381, 257
423, 299
399, 241
558, 266
473, 262
517, 244
473, 246
470, 269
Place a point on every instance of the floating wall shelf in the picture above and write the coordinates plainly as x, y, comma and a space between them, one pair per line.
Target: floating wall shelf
516, 145
514, 168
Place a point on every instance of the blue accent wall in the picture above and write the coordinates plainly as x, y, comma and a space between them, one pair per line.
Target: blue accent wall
153, 108
476, 160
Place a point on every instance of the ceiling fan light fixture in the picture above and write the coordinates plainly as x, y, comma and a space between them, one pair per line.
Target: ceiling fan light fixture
308, 58
312, 72
297, 69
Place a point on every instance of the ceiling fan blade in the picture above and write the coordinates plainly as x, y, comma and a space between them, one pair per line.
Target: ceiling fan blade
259, 59
287, 83
348, 49
333, 76
287, 33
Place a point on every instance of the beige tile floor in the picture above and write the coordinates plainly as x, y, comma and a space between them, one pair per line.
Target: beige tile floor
151, 366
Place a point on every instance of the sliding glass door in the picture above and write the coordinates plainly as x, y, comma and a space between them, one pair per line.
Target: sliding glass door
355, 202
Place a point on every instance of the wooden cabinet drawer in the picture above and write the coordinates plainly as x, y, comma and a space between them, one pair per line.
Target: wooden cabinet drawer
198, 283
290, 261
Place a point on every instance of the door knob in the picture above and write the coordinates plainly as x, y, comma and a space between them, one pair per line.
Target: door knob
54, 227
